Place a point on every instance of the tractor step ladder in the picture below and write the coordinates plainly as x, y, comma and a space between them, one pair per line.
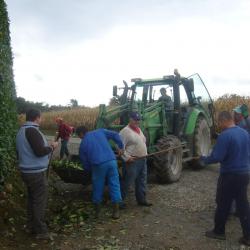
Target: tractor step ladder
185, 153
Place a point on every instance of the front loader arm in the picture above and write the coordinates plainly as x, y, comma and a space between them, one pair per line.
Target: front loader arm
111, 117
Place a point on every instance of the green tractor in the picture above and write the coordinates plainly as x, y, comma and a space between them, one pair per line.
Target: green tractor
184, 124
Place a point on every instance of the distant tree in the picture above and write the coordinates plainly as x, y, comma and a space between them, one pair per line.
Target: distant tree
23, 105
58, 108
73, 103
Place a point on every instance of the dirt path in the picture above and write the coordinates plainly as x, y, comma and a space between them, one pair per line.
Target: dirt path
178, 219
181, 213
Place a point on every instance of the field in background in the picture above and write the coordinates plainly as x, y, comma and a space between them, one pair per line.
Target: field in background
87, 116
74, 117
228, 102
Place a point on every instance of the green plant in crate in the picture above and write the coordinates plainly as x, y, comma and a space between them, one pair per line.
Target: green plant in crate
66, 164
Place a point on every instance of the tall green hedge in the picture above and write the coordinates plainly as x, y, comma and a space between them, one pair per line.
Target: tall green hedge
8, 114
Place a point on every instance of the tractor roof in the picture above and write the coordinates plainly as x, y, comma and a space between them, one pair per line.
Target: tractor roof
170, 80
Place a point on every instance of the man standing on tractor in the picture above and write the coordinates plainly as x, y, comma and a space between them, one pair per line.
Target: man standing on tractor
135, 170
241, 117
64, 132
97, 155
165, 98
232, 150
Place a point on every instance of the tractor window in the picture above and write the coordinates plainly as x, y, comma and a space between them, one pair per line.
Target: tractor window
138, 93
200, 92
183, 96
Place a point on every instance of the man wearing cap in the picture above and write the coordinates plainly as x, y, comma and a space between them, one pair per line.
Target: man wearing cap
64, 132
241, 117
135, 170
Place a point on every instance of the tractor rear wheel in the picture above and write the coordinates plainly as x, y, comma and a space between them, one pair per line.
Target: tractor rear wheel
168, 166
202, 140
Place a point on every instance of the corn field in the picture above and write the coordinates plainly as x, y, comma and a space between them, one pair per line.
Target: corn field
87, 116
228, 102
74, 117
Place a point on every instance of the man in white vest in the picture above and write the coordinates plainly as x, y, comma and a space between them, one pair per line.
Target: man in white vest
135, 170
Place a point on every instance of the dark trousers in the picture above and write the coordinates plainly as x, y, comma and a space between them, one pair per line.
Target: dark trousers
232, 187
37, 188
64, 148
135, 174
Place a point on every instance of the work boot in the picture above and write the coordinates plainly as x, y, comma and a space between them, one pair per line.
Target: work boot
97, 210
213, 235
244, 241
44, 236
145, 204
116, 211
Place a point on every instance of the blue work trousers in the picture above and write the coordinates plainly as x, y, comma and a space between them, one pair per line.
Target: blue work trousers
135, 173
107, 171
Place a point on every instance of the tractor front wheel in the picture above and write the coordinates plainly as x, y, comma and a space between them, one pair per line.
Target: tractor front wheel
168, 166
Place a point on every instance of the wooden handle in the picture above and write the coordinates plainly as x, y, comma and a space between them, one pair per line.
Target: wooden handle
50, 158
159, 152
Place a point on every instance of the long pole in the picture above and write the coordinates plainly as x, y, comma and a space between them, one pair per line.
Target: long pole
50, 159
159, 152
164, 151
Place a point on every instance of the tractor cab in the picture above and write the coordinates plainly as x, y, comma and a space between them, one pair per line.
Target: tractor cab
181, 96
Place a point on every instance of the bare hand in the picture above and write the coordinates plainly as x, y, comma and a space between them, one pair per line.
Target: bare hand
120, 152
131, 159
54, 144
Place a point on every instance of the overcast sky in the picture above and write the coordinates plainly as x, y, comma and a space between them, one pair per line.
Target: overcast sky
80, 48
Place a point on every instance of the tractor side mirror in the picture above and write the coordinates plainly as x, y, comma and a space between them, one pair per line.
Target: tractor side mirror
190, 84
114, 90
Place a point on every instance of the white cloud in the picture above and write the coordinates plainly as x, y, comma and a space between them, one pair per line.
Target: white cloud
133, 39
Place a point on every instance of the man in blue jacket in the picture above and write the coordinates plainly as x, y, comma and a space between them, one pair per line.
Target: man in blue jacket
232, 151
97, 155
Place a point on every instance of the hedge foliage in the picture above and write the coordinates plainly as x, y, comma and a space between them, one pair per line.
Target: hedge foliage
8, 114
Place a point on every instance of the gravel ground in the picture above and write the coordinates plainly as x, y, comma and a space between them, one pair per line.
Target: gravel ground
181, 214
